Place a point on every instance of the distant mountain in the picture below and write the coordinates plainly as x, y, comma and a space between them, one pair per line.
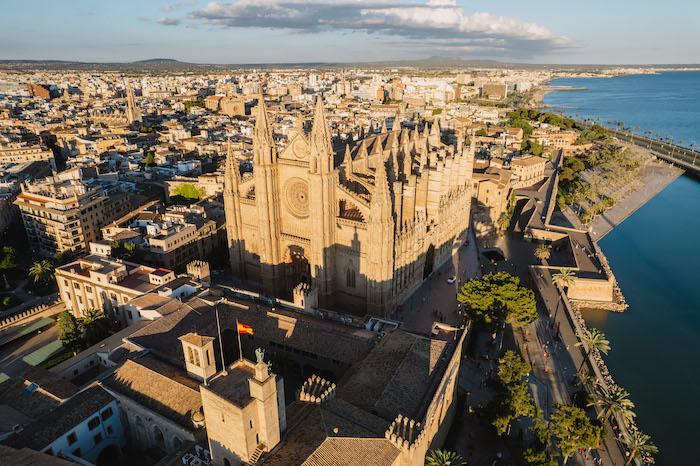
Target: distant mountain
169, 64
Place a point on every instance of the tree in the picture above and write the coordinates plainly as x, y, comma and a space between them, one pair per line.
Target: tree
613, 401
543, 252
640, 447
498, 297
188, 191
8, 258
129, 249
444, 458
565, 278
533, 147
95, 326
572, 430
514, 399
69, 331
512, 368
594, 338
150, 159
539, 458
41, 271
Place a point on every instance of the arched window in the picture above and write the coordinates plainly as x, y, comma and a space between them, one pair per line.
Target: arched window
227, 462
350, 278
177, 443
158, 437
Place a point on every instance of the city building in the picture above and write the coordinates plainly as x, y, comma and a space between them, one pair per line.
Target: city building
98, 282
87, 426
165, 237
362, 227
64, 214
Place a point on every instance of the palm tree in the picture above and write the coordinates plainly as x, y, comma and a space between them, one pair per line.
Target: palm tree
41, 271
543, 252
564, 278
613, 401
640, 446
594, 338
585, 379
444, 458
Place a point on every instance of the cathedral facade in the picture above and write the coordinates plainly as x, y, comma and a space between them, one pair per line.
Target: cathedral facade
357, 231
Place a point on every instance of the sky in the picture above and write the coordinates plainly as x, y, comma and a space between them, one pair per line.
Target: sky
289, 31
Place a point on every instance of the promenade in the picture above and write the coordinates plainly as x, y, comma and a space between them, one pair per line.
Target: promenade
658, 176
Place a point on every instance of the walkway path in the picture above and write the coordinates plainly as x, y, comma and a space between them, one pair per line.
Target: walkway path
657, 177
435, 294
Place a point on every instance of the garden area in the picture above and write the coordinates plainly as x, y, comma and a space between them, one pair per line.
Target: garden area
594, 181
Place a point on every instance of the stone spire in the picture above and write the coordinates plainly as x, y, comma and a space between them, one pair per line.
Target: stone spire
434, 137
380, 205
232, 172
264, 149
383, 129
320, 141
133, 114
347, 160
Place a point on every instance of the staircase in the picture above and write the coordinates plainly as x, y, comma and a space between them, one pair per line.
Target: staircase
256, 455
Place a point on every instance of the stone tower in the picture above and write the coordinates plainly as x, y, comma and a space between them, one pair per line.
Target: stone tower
266, 174
232, 208
133, 114
381, 242
323, 178
199, 356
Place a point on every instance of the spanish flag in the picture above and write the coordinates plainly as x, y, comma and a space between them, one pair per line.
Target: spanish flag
243, 328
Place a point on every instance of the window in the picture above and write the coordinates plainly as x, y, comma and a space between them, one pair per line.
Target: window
77, 452
251, 423
72, 438
109, 430
350, 278
190, 355
106, 414
97, 438
88, 289
208, 358
94, 422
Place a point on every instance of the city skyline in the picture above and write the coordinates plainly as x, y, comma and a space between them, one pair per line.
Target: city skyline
298, 31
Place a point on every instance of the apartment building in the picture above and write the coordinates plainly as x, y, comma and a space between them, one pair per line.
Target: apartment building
19, 153
97, 282
65, 215
167, 237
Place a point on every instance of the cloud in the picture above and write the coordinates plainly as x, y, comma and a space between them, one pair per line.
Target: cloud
170, 7
440, 24
169, 21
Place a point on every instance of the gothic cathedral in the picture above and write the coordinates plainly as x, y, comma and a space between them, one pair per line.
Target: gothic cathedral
357, 231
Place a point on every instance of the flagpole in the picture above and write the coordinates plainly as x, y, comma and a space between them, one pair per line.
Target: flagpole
221, 345
240, 349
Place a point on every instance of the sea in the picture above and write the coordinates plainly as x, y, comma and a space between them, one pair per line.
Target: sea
655, 255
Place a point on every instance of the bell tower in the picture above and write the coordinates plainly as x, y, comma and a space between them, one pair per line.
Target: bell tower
232, 207
323, 179
199, 356
267, 200
381, 243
